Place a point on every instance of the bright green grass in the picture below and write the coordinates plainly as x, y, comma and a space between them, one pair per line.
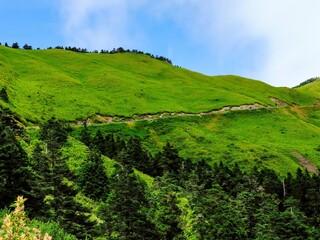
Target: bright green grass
264, 137
70, 86
312, 89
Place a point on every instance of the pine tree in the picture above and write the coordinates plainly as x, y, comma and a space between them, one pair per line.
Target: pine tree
60, 193
164, 209
216, 216
92, 178
13, 167
110, 146
40, 182
140, 158
169, 159
124, 211
85, 136
99, 142
4, 95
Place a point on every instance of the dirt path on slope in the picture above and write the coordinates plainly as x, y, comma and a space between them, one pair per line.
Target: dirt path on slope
135, 118
305, 162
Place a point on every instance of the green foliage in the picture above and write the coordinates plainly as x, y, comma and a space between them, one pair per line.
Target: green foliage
15, 45
308, 81
54, 133
312, 88
15, 225
252, 138
4, 95
164, 211
50, 184
124, 211
92, 178
53, 229
13, 166
121, 84
159, 179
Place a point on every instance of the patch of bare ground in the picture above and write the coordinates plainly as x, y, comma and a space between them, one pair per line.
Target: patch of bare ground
278, 102
247, 107
305, 162
136, 118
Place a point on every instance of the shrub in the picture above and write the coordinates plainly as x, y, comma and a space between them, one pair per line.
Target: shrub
15, 225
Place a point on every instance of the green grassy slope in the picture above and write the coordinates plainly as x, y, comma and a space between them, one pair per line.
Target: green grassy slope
71, 86
312, 89
265, 137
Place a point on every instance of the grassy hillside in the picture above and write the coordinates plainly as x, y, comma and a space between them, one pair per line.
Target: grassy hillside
72, 86
146, 188
68, 85
312, 89
263, 138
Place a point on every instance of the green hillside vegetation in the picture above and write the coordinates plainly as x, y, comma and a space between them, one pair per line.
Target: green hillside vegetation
312, 88
177, 198
240, 174
263, 138
68, 85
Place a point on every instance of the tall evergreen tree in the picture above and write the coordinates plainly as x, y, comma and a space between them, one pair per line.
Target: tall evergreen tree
85, 136
164, 211
92, 178
60, 194
40, 182
99, 142
169, 159
13, 167
110, 146
214, 215
124, 212
139, 157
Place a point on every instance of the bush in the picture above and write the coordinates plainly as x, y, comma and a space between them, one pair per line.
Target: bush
15, 225
15, 45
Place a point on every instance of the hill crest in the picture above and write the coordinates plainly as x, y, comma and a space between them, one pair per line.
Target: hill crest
72, 86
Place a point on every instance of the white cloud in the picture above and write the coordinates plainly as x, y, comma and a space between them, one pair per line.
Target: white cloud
97, 24
285, 33
280, 37
293, 37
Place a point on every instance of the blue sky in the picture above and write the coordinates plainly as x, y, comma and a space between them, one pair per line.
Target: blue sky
276, 41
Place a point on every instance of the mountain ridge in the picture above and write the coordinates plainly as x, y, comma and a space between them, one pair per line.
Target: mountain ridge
71, 86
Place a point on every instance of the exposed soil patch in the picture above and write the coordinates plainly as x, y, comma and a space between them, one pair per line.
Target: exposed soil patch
135, 118
106, 118
278, 102
305, 162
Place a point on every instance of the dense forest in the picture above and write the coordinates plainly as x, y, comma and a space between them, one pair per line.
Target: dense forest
185, 199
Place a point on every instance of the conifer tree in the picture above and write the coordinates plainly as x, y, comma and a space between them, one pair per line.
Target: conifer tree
40, 182
164, 207
99, 142
124, 212
140, 159
169, 159
85, 136
60, 194
110, 146
13, 167
92, 178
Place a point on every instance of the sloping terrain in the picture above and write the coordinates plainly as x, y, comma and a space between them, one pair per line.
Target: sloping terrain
68, 85
187, 108
312, 89
262, 137
165, 153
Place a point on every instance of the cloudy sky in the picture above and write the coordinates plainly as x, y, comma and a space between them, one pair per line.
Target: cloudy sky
276, 41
